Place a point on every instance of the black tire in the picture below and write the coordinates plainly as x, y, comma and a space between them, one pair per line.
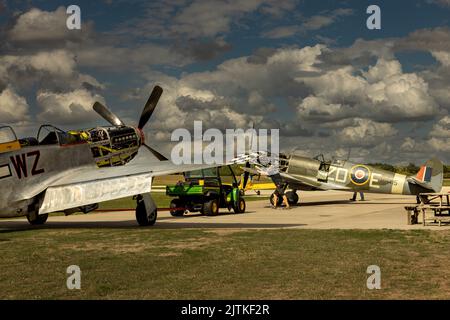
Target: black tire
292, 198
280, 200
141, 215
41, 219
211, 208
177, 203
240, 208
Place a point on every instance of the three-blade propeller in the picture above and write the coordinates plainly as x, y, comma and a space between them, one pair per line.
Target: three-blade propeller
150, 106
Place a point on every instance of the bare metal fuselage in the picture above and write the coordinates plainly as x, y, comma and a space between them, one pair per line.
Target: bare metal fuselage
31, 169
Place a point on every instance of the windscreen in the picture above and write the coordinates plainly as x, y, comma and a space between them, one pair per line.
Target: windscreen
7, 135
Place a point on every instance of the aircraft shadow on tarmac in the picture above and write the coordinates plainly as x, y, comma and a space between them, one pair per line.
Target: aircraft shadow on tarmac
331, 202
197, 215
17, 226
318, 203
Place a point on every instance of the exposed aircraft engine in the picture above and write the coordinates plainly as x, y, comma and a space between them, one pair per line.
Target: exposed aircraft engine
284, 162
113, 146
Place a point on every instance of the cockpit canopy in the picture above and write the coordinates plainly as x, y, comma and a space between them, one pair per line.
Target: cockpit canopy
48, 135
7, 134
335, 162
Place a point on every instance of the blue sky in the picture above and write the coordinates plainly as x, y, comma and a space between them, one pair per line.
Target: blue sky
398, 19
310, 68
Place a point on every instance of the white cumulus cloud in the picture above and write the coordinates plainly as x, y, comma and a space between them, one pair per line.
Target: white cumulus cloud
67, 108
13, 108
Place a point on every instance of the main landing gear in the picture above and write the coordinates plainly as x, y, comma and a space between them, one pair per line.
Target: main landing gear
33, 217
146, 211
292, 198
36, 220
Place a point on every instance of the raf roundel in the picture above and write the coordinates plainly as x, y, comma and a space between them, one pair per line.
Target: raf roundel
360, 175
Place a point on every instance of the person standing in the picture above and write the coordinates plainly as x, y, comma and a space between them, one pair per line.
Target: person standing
361, 196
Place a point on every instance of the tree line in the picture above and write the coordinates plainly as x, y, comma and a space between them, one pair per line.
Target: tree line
409, 169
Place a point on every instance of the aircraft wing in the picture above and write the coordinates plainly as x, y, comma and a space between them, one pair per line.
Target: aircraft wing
310, 183
89, 185
300, 182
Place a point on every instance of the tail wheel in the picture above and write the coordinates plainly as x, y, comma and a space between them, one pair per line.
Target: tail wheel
177, 203
141, 215
240, 208
292, 197
40, 219
272, 200
211, 208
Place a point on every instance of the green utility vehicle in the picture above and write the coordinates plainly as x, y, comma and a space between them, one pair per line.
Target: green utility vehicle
206, 191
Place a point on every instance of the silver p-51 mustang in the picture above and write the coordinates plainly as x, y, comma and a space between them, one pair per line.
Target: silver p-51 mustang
75, 170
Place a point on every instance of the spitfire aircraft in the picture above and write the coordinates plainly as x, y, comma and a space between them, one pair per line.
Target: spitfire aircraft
302, 173
75, 170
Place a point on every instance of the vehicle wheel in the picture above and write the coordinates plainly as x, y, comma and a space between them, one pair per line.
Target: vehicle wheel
41, 219
292, 197
240, 208
211, 208
141, 215
272, 197
177, 203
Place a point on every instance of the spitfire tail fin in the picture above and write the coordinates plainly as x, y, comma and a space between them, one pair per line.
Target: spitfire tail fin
430, 176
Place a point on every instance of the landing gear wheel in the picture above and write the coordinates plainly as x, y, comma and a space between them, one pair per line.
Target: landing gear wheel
292, 198
141, 215
272, 200
240, 208
177, 203
211, 208
40, 219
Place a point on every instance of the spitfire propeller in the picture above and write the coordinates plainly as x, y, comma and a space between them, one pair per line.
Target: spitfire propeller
246, 175
150, 106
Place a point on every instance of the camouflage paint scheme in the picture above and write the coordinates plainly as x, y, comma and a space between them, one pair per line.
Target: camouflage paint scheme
302, 173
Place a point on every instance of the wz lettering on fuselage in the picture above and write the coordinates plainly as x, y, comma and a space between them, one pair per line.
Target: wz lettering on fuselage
20, 163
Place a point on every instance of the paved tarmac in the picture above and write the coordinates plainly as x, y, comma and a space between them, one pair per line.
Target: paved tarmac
316, 210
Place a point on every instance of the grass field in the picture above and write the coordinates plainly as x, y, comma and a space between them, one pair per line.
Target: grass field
151, 263
446, 182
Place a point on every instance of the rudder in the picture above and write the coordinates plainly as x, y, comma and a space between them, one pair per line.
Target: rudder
431, 175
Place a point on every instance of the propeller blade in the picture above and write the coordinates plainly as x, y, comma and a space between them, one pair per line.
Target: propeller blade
252, 171
150, 106
246, 175
156, 153
107, 114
